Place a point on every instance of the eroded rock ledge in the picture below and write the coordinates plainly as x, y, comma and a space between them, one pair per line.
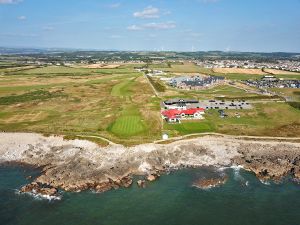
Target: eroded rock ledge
78, 165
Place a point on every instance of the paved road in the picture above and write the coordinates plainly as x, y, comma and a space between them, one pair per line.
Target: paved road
230, 136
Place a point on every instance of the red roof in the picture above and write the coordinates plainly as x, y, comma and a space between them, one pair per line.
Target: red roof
173, 113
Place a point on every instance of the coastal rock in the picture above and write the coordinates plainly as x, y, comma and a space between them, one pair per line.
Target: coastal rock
270, 162
30, 187
37, 189
210, 183
151, 177
103, 187
47, 191
126, 182
141, 183
77, 165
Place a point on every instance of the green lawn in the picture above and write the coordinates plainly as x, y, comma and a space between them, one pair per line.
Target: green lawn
123, 88
189, 127
128, 124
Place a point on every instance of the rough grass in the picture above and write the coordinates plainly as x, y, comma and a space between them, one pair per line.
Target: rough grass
91, 104
157, 84
295, 105
30, 96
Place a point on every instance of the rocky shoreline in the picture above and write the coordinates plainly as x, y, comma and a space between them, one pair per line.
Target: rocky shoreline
77, 165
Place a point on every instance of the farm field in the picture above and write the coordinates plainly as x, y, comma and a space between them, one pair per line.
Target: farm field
280, 72
247, 76
185, 67
239, 71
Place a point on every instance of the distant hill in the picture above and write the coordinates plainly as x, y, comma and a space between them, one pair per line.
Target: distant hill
143, 55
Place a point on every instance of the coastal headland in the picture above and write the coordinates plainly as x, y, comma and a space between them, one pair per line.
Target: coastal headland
77, 165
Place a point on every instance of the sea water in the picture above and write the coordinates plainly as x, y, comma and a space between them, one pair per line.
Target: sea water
172, 200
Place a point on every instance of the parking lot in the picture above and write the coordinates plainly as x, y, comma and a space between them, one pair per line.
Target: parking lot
222, 104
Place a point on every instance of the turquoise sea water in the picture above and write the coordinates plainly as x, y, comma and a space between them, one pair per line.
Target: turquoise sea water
172, 200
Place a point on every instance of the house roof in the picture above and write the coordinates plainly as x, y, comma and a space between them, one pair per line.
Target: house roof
172, 113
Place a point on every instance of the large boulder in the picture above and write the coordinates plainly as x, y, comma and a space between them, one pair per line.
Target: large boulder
141, 183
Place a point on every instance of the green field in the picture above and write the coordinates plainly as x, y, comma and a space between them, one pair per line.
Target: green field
91, 104
188, 127
177, 67
223, 91
123, 88
120, 105
128, 124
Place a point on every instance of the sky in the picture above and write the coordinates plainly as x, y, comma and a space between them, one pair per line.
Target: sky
155, 25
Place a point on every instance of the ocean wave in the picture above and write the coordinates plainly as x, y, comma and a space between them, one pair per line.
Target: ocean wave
38, 196
265, 182
206, 188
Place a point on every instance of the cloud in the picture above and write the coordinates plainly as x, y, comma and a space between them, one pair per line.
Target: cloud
134, 27
114, 5
153, 26
148, 13
10, 1
160, 26
22, 18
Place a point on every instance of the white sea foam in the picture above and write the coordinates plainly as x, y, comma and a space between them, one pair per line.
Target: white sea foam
38, 196
206, 188
265, 182
221, 169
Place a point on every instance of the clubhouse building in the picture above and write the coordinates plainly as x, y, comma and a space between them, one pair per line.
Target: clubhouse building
176, 110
